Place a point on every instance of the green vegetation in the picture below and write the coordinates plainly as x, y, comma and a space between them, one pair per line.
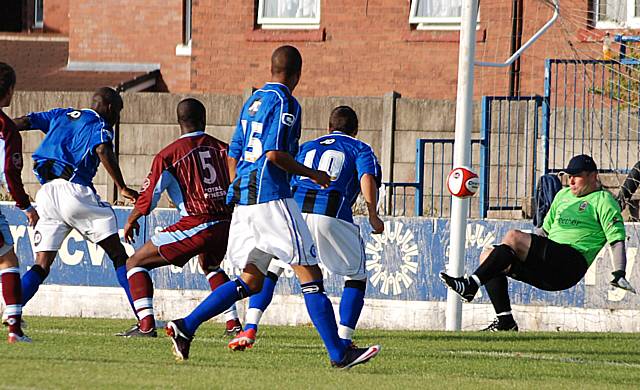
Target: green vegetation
83, 353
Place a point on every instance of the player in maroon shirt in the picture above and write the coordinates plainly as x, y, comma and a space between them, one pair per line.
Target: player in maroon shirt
193, 170
10, 176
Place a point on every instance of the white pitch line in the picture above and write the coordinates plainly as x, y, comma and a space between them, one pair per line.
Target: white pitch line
532, 356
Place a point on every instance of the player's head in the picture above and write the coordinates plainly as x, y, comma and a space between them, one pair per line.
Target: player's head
108, 103
7, 84
344, 119
583, 175
286, 66
192, 116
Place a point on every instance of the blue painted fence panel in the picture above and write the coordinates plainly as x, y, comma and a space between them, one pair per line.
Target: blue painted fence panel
403, 263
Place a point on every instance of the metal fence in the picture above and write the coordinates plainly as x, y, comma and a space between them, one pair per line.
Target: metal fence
591, 107
504, 156
434, 160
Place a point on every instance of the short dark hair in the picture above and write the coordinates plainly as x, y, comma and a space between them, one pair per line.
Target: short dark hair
192, 111
109, 96
7, 78
286, 60
344, 119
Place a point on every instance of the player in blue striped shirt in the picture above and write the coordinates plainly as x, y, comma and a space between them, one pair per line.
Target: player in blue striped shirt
353, 167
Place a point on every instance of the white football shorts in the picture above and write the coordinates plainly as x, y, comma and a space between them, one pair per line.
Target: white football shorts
274, 227
63, 206
340, 247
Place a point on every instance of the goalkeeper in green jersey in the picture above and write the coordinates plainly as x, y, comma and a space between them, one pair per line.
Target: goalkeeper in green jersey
581, 220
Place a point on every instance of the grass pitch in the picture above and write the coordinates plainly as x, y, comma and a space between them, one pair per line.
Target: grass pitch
83, 353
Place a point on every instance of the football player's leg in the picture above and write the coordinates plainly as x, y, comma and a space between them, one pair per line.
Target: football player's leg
498, 291
11, 291
259, 302
35, 276
216, 277
351, 305
213, 251
138, 266
48, 235
224, 296
320, 309
118, 255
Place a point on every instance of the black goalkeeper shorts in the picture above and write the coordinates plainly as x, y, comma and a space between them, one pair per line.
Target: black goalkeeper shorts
550, 266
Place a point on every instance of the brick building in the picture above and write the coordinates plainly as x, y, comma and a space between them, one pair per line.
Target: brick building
350, 48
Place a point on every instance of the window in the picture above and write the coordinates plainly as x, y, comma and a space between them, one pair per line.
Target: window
38, 21
436, 14
184, 48
616, 13
274, 14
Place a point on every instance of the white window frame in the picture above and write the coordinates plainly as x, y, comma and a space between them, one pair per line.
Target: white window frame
183, 49
38, 23
633, 20
452, 23
288, 23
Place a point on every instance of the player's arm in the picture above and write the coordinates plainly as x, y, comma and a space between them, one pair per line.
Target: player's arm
132, 227
39, 120
108, 159
618, 251
154, 185
370, 176
612, 225
287, 163
369, 189
23, 123
232, 164
13, 178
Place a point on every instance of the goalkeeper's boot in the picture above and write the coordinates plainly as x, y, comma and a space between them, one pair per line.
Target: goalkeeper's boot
355, 356
233, 328
180, 339
243, 340
504, 325
465, 287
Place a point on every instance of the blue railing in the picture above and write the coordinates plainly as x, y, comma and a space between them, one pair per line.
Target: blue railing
437, 155
396, 198
510, 125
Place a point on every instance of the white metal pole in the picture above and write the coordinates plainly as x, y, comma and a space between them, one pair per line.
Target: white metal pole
462, 154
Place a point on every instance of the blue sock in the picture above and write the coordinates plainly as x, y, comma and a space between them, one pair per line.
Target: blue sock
121, 273
31, 281
321, 312
217, 302
261, 300
351, 306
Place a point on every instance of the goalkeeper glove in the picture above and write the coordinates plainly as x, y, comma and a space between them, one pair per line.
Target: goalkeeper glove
620, 281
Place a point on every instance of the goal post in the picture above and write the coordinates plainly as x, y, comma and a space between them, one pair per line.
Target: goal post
462, 142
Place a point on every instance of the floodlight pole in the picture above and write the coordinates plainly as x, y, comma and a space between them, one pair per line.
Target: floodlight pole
462, 155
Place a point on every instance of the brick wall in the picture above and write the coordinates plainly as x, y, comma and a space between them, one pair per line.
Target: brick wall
136, 31
368, 48
55, 15
361, 49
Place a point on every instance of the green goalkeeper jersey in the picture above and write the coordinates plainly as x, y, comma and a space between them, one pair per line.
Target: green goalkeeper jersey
586, 222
